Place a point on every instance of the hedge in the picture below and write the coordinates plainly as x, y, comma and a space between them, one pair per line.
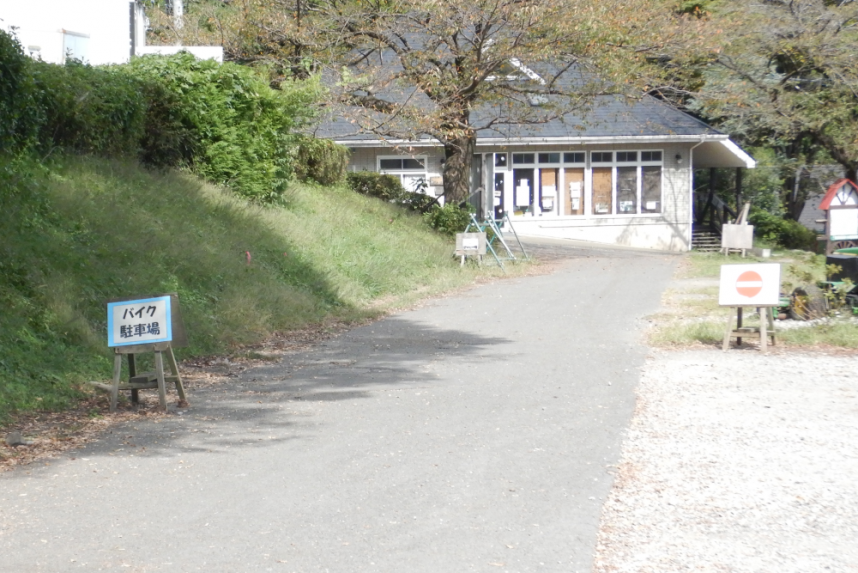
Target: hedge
221, 120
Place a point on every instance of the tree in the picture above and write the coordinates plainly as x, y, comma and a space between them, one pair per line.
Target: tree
786, 78
446, 69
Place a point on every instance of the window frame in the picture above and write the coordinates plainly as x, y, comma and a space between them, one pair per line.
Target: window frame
404, 171
619, 160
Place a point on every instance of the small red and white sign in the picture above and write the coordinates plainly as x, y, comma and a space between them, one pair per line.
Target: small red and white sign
750, 285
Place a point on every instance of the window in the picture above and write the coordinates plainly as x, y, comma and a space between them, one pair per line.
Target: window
626, 182
410, 170
650, 155
500, 160
574, 182
603, 186
651, 192
549, 158
75, 46
613, 183
403, 164
627, 189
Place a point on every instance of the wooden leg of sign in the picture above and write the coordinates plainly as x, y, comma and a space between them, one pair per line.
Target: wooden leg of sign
764, 336
174, 368
739, 325
462, 263
132, 372
726, 345
162, 385
114, 389
771, 321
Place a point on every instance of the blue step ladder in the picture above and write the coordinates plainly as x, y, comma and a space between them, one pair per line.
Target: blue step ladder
495, 241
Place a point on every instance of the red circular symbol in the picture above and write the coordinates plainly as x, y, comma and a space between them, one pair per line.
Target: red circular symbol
749, 284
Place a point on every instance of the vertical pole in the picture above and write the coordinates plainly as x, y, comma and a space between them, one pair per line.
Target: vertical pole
162, 386
738, 324
114, 390
174, 368
764, 336
738, 190
726, 344
771, 321
132, 372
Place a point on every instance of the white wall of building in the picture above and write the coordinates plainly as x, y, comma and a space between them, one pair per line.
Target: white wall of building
95, 31
668, 230
101, 29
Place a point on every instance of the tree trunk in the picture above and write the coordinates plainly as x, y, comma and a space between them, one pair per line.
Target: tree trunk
458, 153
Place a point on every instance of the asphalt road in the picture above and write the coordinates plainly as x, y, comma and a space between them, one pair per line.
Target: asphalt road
476, 433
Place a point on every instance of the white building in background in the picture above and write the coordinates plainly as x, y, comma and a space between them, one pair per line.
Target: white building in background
93, 31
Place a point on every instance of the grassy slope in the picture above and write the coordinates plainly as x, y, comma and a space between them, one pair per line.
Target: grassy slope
90, 229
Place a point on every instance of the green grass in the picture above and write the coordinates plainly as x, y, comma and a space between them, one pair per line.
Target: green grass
841, 335
87, 230
682, 334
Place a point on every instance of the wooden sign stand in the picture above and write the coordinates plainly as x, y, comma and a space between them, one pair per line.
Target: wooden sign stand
156, 378
146, 380
765, 331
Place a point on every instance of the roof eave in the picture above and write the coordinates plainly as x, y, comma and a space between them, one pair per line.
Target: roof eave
530, 141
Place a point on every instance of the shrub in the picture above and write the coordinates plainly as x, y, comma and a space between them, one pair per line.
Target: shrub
222, 120
90, 110
240, 130
449, 219
784, 232
419, 202
379, 185
19, 117
320, 160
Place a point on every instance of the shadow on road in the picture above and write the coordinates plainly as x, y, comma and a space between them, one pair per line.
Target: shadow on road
271, 404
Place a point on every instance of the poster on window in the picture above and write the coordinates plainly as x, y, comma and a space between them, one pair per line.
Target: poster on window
522, 194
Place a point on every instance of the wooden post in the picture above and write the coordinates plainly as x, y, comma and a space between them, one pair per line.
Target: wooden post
132, 372
162, 385
114, 389
771, 320
174, 368
739, 325
738, 188
766, 330
727, 332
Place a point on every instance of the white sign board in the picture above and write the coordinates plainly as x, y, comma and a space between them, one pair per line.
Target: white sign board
737, 236
143, 321
470, 244
844, 224
750, 285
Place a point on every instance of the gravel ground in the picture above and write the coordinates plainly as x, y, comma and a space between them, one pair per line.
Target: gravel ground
737, 462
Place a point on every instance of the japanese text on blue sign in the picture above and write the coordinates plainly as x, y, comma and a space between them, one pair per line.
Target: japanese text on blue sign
143, 321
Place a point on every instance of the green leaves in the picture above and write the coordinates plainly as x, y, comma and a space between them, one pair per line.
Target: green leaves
241, 131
